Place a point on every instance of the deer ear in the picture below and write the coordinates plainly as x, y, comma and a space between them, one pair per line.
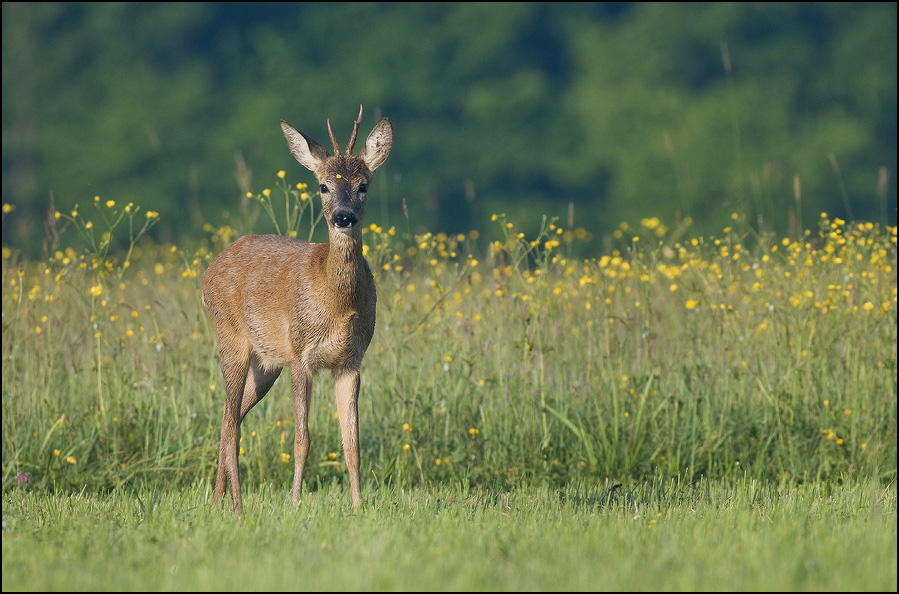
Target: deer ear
306, 151
377, 145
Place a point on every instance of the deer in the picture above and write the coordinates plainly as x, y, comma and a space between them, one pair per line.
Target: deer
279, 302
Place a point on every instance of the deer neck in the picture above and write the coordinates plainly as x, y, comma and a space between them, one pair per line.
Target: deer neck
346, 269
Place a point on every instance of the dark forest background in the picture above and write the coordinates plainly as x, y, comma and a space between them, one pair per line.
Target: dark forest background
608, 111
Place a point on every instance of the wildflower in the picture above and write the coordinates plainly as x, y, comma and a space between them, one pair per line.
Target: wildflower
152, 214
281, 174
285, 457
71, 460
22, 477
650, 223
110, 203
407, 427
56, 453
473, 431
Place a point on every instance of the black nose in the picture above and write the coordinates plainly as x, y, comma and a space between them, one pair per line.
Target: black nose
344, 219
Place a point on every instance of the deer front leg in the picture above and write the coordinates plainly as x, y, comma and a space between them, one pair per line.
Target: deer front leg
301, 382
346, 389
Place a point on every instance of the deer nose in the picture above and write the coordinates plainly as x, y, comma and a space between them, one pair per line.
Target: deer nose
344, 219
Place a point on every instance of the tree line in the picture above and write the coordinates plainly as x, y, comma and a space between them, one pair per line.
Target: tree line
596, 113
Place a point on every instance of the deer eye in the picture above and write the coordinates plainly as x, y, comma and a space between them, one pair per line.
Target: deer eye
323, 189
363, 188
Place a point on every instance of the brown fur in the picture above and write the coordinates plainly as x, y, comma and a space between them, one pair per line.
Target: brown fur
277, 302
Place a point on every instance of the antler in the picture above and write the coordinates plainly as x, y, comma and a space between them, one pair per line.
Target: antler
333, 140
349, 147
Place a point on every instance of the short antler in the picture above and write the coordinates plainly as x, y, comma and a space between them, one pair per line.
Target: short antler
333, 140
349, 147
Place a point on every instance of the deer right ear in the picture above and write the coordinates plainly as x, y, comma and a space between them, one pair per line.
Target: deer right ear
305, 150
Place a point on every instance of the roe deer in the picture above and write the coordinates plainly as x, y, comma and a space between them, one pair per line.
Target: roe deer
276, 301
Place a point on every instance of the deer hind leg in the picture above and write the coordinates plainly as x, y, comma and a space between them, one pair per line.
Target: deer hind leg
234, 370
260, 380
301, 383
346, 390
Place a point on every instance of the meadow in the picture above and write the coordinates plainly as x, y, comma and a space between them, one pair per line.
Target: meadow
682, 412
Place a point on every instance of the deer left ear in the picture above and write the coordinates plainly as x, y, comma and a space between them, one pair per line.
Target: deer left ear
377, 145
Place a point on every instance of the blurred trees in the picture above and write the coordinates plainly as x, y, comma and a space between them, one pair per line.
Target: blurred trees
626, 110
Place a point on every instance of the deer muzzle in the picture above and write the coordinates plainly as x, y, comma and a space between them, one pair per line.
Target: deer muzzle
344, 219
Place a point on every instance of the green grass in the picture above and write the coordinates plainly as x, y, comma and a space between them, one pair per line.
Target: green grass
653, 536
741, 389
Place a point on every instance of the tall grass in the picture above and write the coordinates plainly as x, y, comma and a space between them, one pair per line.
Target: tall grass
679, 413
495, 363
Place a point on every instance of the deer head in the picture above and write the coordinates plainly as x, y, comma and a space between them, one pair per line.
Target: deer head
343, 178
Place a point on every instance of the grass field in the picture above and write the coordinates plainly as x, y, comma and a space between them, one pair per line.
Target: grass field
679, 413
654, 536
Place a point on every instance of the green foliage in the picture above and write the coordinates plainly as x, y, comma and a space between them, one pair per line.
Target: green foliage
618, 110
